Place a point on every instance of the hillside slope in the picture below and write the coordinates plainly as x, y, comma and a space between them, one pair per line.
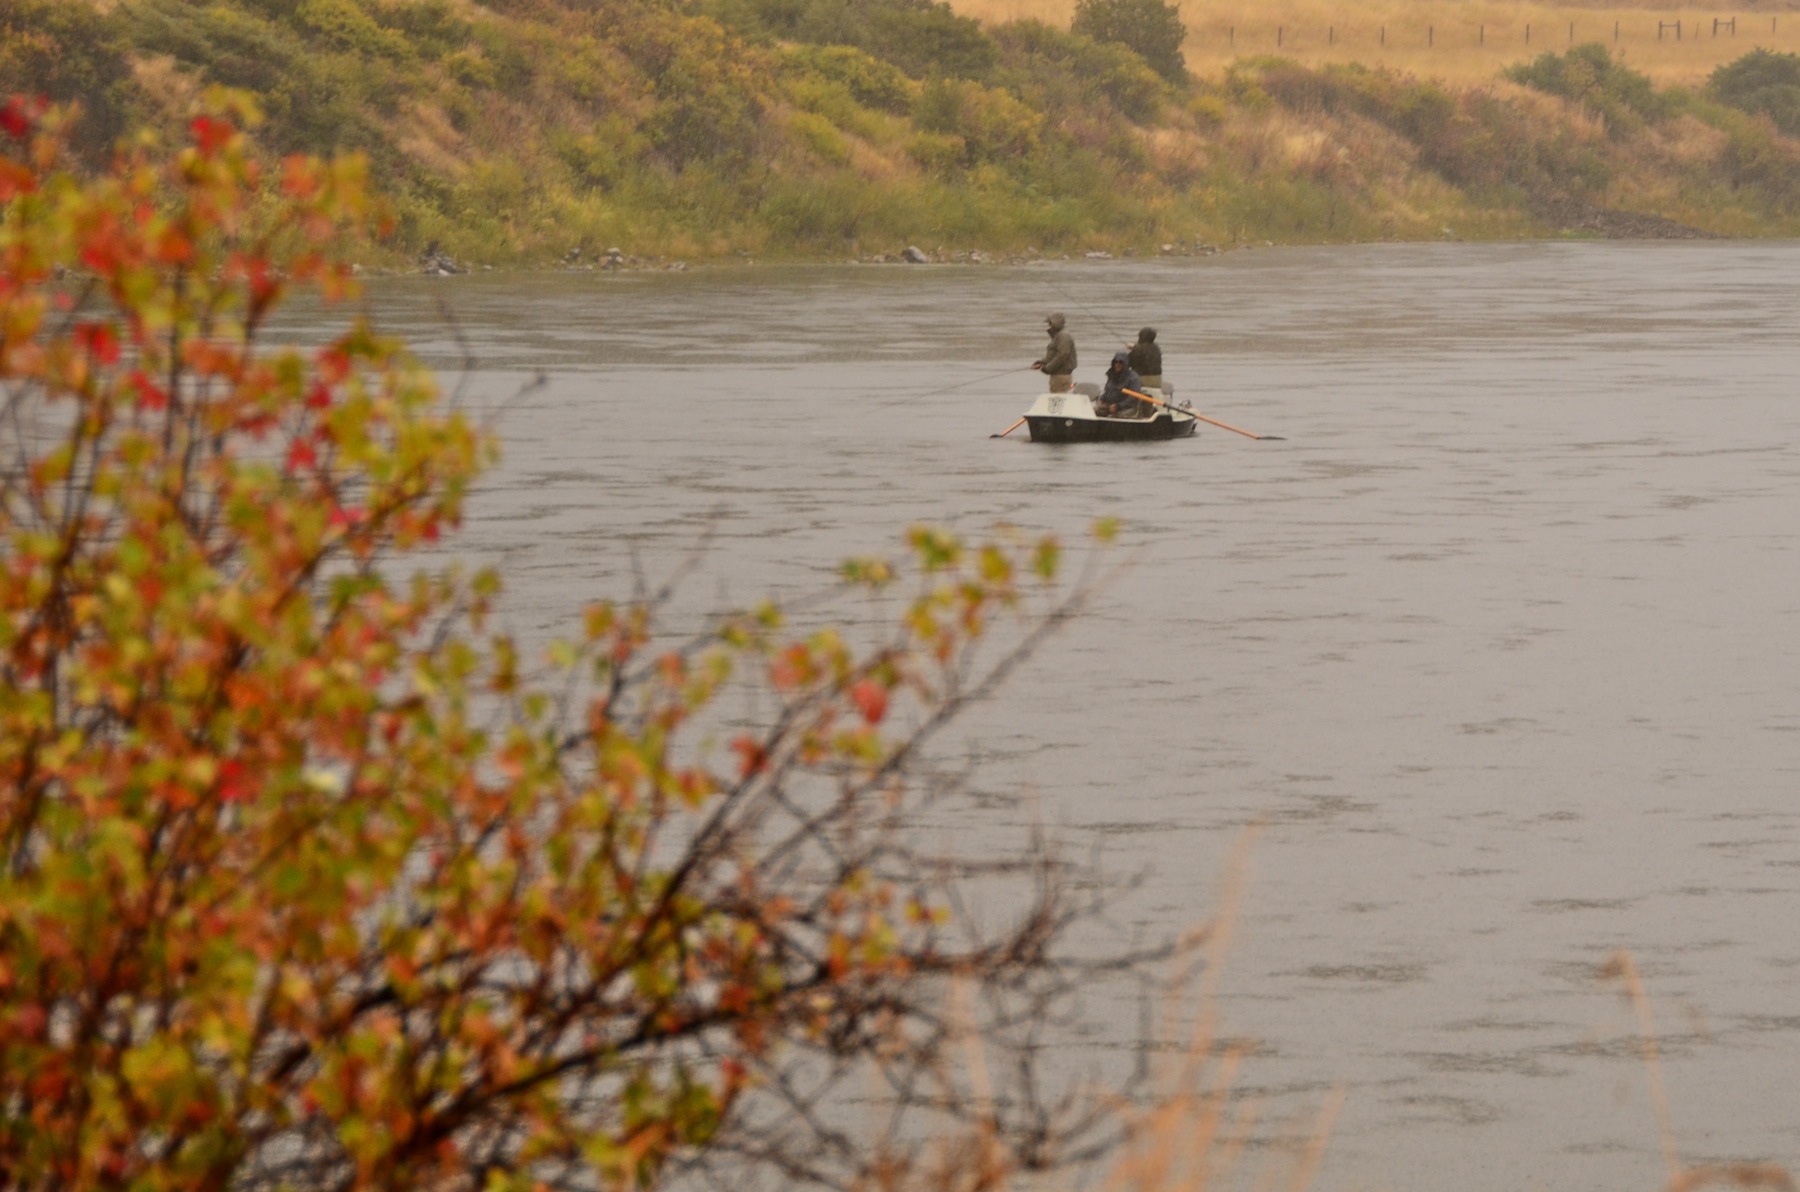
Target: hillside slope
519, 131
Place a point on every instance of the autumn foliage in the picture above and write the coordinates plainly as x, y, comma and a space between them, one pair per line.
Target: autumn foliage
312, 879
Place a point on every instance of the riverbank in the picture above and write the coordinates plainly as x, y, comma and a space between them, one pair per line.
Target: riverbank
530, 134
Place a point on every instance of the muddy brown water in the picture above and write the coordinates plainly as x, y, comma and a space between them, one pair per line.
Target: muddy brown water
1502, 643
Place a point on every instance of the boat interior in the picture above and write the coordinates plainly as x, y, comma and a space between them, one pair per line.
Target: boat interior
1091, 391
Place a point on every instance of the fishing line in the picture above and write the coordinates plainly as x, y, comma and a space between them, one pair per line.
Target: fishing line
977, 380
1087, 310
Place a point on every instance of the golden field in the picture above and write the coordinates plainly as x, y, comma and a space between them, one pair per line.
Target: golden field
1458, 41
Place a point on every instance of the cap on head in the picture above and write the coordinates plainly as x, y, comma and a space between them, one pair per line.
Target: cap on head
1147, 335
1055, 320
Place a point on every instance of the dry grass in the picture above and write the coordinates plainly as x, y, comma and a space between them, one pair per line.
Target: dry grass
1459, 41
1682, 1178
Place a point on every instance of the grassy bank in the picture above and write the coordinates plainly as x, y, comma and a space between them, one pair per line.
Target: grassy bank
533, 132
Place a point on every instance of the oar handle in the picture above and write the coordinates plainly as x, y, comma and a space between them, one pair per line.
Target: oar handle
1202, 417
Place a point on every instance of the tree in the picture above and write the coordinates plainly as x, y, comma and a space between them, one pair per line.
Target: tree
308, 882
1762, 81
1151, 28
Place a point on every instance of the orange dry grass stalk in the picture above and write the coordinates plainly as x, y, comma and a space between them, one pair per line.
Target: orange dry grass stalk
1459, 41
1189, 1137
1192, 1136
1682, 1178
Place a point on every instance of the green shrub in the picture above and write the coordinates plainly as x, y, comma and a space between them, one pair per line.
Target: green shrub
1756, 159
70, 53
433, 27
344, 25
820, 136
869, 81
924, 38
1100, 70
224, 45
1762, 82
938, 152
1150, 28
815, 213
472, 69
993, 125
1587, 74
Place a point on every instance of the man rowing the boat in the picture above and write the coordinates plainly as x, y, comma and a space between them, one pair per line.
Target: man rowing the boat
1114, 402
1146, 359
1058, 363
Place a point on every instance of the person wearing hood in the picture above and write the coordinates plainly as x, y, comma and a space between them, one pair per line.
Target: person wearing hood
1146, 359
1114, 401
1058, 361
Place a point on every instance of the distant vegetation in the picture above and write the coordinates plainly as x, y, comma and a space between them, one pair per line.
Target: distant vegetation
522, 131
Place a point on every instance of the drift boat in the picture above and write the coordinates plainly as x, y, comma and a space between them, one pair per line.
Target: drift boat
1070, 418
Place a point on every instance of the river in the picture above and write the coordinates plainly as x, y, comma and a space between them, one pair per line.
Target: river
1502, 643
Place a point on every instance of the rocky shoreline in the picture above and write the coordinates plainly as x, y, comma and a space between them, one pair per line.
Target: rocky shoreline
1568, 218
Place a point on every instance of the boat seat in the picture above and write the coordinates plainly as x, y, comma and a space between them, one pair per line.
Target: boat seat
1087, 389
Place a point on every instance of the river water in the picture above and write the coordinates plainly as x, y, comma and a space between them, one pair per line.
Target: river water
1502, 643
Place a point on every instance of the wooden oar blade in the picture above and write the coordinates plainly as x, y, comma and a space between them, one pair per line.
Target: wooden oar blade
1202, 417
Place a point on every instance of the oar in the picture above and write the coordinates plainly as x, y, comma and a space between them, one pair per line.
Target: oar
1202, 417
1009, 430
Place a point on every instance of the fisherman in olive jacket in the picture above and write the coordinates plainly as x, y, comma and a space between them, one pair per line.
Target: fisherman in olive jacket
1058, 363
1146, 359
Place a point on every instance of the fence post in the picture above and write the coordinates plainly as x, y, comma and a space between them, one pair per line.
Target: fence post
1527, 32
1481, 38
1280, 35
1571, 32
1615, 33
1384, 36
1331, 35
1430, 36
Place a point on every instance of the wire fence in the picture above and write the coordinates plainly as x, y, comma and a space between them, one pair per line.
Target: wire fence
1708, 34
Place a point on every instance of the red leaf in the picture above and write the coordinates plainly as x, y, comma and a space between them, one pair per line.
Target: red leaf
211, 133
871, 699
334, 365
318, 397
751, 758
234, 782
301, 455
151, 396
98, 340
20, 116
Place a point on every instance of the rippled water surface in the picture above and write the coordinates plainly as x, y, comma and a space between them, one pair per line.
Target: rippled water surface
1502, 643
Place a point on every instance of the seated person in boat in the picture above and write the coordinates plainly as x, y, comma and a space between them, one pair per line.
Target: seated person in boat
1058, 362
1146, 359
1114, 402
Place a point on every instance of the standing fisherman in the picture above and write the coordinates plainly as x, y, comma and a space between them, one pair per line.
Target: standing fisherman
1058, 363
1146, 359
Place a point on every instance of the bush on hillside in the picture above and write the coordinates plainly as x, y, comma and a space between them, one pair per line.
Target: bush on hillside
869, 81
924, 38
1098, 70
1762, 82
1152, 29
1473, 140
991, 124
1620, 96
69, 53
